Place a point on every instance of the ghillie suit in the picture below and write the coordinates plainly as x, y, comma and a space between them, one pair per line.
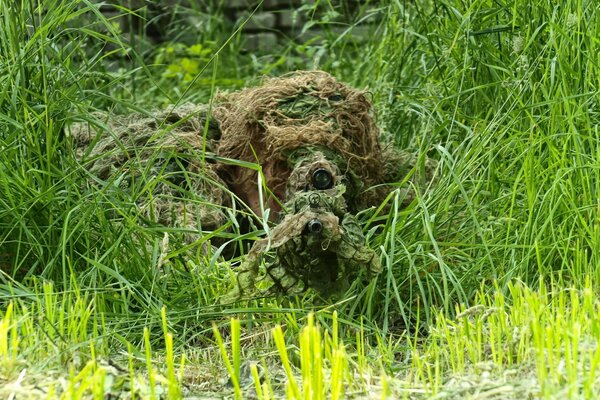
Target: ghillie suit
287, 119
157, 160
319, 151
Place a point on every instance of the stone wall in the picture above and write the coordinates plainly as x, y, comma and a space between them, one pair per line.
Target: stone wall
273, 22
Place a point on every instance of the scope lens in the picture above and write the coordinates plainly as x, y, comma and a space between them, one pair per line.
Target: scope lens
314, 226
322, 179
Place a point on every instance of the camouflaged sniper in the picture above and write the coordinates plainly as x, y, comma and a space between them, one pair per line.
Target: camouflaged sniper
295, 126
318, 146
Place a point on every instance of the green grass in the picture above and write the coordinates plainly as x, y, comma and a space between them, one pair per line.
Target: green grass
491, 277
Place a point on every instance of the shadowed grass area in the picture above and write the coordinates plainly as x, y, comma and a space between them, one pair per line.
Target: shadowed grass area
490, 276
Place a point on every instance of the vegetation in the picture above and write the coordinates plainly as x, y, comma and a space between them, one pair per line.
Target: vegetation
491, 277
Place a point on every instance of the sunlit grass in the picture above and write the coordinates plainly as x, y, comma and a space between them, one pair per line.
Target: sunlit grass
540, 342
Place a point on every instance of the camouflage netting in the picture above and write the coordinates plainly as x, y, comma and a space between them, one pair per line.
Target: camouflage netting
160, 154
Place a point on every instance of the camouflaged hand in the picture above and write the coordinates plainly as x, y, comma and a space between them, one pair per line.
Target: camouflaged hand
317, 245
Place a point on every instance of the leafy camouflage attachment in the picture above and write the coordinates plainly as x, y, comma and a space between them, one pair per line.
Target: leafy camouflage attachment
158, 157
